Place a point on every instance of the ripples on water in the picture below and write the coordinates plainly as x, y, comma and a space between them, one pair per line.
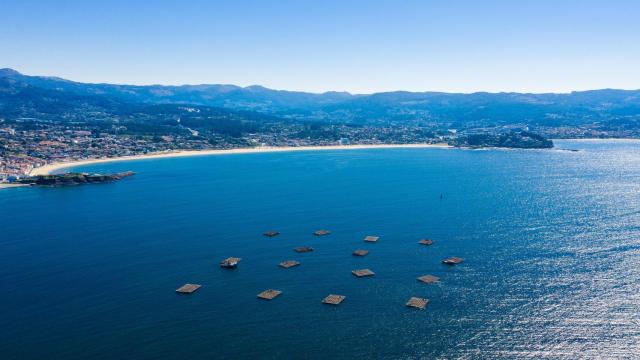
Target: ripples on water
550, 238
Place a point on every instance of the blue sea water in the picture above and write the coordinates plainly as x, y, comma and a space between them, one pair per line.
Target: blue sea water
550, 238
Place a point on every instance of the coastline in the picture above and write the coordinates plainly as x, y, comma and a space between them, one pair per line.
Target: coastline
53, 167
599, 139
8, 186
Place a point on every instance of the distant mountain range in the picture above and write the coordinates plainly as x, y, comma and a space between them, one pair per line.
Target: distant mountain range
21, 95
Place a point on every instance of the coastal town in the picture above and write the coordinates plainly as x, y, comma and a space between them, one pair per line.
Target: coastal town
29, 143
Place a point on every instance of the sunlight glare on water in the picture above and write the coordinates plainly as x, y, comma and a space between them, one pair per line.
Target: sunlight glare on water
550, 238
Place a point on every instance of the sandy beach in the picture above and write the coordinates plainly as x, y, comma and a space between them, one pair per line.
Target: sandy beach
8, 186
53, 167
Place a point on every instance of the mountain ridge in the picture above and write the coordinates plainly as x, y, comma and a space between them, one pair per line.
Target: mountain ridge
401, 107
12, 72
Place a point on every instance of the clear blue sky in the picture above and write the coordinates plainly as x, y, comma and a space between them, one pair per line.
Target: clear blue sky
358, 46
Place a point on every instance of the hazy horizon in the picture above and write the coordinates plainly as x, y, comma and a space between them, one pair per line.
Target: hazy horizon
314, 92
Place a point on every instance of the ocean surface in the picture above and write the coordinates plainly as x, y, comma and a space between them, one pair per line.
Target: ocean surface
550, 238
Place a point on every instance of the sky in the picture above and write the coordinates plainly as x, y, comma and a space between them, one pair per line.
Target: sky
360, 46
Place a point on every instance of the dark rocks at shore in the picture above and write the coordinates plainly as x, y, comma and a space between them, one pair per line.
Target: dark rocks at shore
73, 179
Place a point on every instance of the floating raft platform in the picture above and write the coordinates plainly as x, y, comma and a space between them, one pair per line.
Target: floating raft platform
428, 279
321, 232
188, 288
303, 249
363, 273
333, 299
271, 233
360, 252
425, 242
370, 238
418, 303
453, 261
269, 294
230, 263
289, 264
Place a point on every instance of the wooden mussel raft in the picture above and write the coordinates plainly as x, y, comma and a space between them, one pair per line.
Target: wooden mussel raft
269, 294
360, 252
453, 261
271, 233
321, 232
303, 249
425, 242
230, 263
418, 303
289, 264
372, 239
363, 273
428, 279
333, 299
188, 288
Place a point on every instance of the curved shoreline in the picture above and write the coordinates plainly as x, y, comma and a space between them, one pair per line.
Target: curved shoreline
50, 168
9, 186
